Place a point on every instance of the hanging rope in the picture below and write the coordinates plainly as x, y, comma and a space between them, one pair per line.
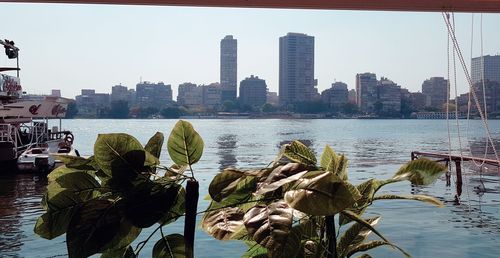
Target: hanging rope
451, 33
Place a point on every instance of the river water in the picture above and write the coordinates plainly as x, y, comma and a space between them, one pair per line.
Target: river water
375, 148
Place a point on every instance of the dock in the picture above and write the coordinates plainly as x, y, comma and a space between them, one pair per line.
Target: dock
447, 158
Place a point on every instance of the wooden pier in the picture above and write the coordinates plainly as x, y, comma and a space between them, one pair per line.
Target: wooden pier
444, 157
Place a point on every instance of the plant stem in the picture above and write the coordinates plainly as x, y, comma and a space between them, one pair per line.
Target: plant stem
192, 194
331, 237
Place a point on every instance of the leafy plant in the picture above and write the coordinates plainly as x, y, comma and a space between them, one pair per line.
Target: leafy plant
289, 208
103, 202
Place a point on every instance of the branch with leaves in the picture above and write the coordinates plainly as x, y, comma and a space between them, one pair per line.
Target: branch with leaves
103, 202
290, 208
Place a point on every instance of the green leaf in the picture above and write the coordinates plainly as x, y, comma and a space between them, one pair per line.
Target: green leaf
110, 150
185, 145
270, 226
55, 222
92, 227
255, 251
59, 171
422, 198
342, 167
125, 235
353, 216
329, 159
282, 175
126, 252
356, 234
171, 246
76, 162
365, 247
82, 184
178, 208
154, 144
240, 197
420, 171
298, 152
320, 187
225, 183
148, 203
223, 223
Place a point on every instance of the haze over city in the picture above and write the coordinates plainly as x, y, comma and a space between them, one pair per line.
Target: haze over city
72, 47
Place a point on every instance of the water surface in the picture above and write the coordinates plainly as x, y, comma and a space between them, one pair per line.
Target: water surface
375, 148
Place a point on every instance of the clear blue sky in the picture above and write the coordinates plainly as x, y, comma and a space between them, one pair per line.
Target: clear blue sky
70, 47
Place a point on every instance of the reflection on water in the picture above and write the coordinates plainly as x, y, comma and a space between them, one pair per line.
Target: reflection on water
374, 149
226, 146
19, 205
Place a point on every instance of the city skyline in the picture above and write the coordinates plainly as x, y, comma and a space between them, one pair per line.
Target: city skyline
98, 46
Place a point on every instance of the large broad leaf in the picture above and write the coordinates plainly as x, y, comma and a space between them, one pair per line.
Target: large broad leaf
240, 197
282, 175
125, 235
63, 196
330, 161
422, 198
171, 246
154, 144
225, 183
324, 188
110, 150
356, 234
420, 171
82, 184
59, 171
126, 252
298, 152
178, 208
92, 227
223, 223
61, 208
270, 226
148, 203
79, 163
185, 145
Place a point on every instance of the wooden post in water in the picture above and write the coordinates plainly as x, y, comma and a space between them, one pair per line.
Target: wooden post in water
192, 194
458, 167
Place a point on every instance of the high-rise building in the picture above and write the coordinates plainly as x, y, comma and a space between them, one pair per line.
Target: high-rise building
366, 92
228, 68
336, 96
190, 95
253, 91
155, 95
296, 69
212, 96
119, 93
490, 65
389, 96
435, 90
90, 103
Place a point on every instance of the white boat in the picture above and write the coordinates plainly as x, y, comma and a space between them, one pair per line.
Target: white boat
44, 157
25, 137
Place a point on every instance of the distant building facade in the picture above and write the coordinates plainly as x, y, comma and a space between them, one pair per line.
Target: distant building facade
272, 98
366, 92
490, 65
155, 95
336, 96
190, 96
253, 91
435, 90
91, 104
389, 96
296, 69
119, 93
212, 96
228, 68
